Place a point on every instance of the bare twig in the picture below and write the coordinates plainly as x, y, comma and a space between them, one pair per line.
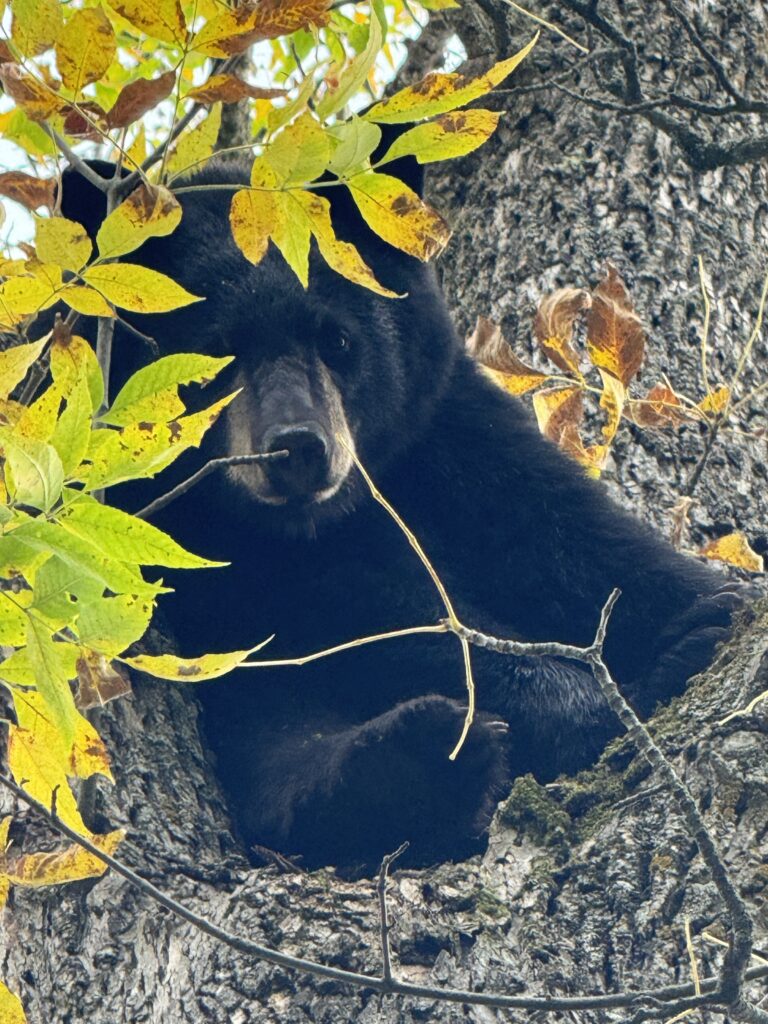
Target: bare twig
189, 483
384, 922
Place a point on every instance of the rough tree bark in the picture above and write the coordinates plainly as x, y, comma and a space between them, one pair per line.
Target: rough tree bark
586, 885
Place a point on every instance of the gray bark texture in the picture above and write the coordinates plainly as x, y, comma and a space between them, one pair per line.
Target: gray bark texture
586, 885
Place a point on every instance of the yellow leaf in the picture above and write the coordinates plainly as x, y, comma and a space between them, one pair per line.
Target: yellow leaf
615, 333
716, 402
72, 356
37, 760
88, 755
136, 153
71, 864
734, 549
557, 407
143, 449
196, 147
612, 398
491, 349
21, 296
340, 256
11, 1011
253, 218
85, 48
190, 670
63, 242
85, 300
439, 92
36, 25
160, 19
149, 211
38, 420
233, 31
451, 135
355, 75
398, 216
14, 363
138, 288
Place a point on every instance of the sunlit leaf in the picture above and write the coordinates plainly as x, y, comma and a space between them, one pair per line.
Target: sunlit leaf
160, 19
451, 135
735, 550
73, 429
190, 670
110, 624
71, 358
85, 48
149, 211
554, 324
11, 1010
398, 216
490, 348
63, 242
56, 867
300, 153
51, 677
355, 76
615, 333
139, 395
716, 402
439, 92
138, 288
35, 26
34, 474
357, 139
235, 30
196, 146
121, 536
85, 300
14, 363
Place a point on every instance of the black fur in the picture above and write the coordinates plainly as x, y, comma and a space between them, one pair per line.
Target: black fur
341, 760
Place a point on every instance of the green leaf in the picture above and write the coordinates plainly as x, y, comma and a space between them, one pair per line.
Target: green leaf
73, 429
34, 473
451, 135
357, 140
142, 392
439, 92
121, 536
55, 581
51, 678
300, 153
13, 621
137, 288
110, 624
82, 556
354, 77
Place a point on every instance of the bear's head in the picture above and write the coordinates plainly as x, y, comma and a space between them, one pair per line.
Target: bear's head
324, 371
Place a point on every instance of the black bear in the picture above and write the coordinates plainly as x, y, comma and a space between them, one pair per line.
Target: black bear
340, 760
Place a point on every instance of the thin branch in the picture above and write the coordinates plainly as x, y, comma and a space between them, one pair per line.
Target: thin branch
675, 994
306, 659
384, 923
189, 483
78, 164
546, 24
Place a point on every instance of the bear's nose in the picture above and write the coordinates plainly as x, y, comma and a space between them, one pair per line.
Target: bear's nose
305, 469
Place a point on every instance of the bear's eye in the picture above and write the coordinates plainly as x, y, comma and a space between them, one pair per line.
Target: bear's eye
335, 349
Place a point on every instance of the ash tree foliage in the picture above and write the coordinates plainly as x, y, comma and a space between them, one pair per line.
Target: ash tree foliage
144, 83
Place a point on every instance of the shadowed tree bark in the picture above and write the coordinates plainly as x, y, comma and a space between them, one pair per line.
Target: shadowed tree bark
587, 884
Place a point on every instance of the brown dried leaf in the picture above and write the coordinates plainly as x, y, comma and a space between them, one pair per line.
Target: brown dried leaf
138, 97
660, 408
680, 512
230, 89
37, 100
489, 347
235, 30
557, 408
99, 681
553, 326
591, 458
79, 122
6, 54
615, 334
735, 550
66, 865
160, 19
29, 191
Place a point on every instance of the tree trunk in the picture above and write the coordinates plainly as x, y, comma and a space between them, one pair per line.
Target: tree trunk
587, 884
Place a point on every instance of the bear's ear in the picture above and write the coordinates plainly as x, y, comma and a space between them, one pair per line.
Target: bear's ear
83, 202
407, 168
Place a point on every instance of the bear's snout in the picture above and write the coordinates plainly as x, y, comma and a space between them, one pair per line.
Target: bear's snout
306, 468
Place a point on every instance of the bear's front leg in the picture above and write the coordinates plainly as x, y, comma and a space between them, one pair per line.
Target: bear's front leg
353, 796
